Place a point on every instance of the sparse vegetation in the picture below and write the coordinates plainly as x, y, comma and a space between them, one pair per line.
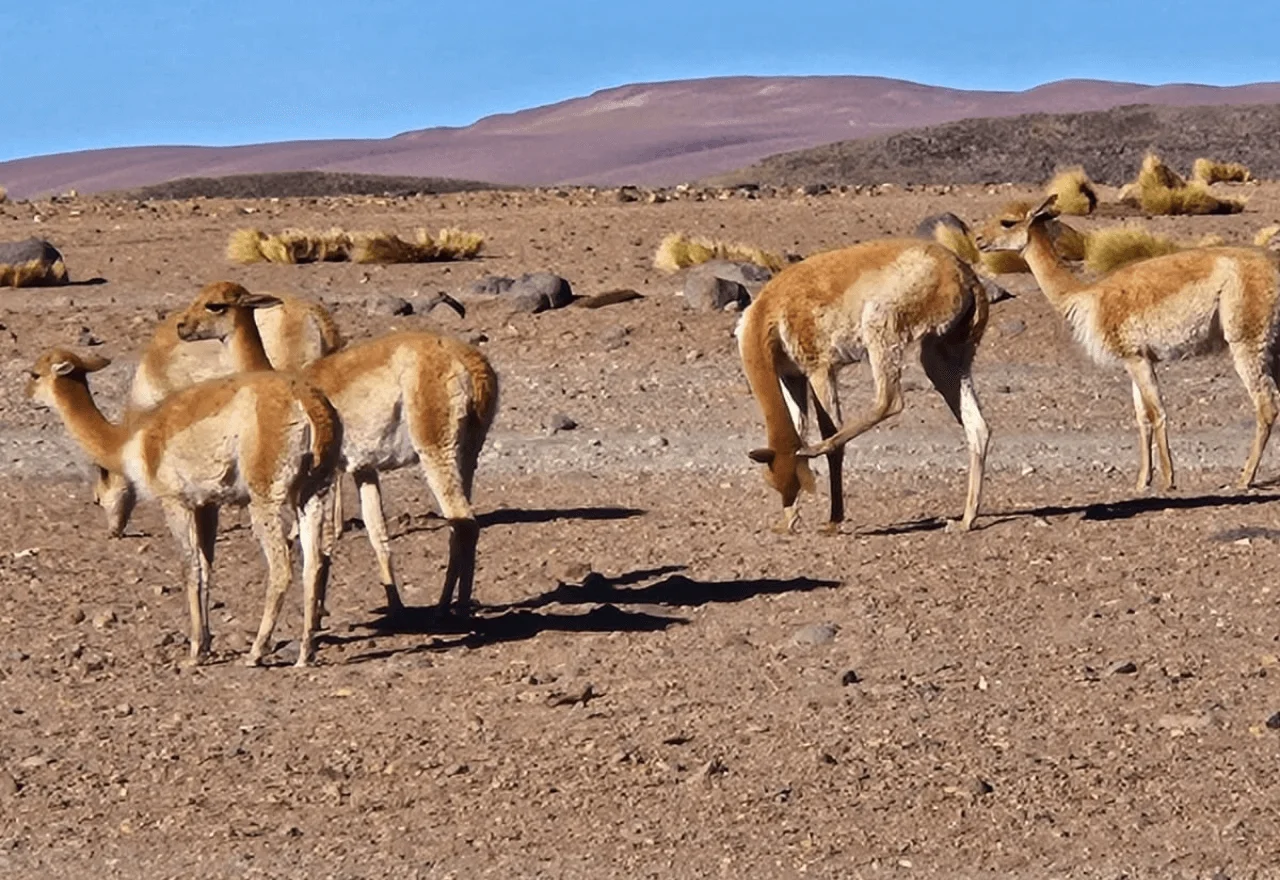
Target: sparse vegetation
1161, 190
1108, 249
679, 251
33, 273
1268, 237
1074, 190
1209, 171
336, 245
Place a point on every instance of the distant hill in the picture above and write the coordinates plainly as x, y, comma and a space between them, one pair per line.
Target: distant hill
285, 184
654, 133
1109, 144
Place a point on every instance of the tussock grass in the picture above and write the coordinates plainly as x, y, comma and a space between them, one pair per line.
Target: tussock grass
956, 241
1108, 249
1004, 263
33, 273
1161, 190
293, 246
1074, 190
1268, 237
1209, 171
679, 251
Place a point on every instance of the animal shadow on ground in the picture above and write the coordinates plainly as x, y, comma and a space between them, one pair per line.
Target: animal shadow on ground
506, 516
1101, 511
520, 620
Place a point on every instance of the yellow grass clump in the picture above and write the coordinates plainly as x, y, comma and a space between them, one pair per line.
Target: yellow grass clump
1074, 190
1267, 237
1161, 190
954, 240
33, 273
1004, 263
294, 246
1209, 171
1108, 249
387, 247
679, 251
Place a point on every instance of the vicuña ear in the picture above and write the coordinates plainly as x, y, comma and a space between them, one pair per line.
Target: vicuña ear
1048, 208
64, 368
259, 301
762, 456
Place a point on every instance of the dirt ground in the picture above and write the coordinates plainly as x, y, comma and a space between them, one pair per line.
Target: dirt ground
657, 685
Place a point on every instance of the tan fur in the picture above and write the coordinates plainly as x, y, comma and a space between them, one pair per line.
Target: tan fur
403, 398
867, 301
1169, 306
267, 440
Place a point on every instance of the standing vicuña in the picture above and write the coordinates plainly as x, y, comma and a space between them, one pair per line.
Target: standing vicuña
1171, 306
403, 398
294, 334
265, 439
833, 309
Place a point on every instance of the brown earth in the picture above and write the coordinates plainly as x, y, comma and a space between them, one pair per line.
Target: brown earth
644, 133
1079, 688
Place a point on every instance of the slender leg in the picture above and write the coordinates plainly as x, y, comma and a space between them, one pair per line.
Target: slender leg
315, 565
376, 527
339, 525
1144, 376
446, 484
826, 405
1144, 438
269, 530
948, 368
185, 524
886, 370
1254, 370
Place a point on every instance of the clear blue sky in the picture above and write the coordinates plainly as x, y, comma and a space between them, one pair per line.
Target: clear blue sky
82, 74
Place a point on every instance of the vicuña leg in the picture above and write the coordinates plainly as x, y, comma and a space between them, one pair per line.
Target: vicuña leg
376, 527
1254, 369
886, 371
1144, 377
315, 571
1144, 438
826, 405
464, 532
269, 530
195, 532
948, 366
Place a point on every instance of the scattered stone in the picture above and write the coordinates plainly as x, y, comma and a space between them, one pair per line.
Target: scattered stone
615, 338
710, 293
815, 634
609, 298
583, 695
457, 770
1245, 533
288, 652
388, 306
657, 441
850, 677
995, 293
104, 619
562, 422
8, 786
1183, 723
16, 656
491, 285
123, 710
76, 615
980, 787
86, 338
34, 762
1013, 327
477, 338
536, 292
234, 640
1123, 667
1273, 723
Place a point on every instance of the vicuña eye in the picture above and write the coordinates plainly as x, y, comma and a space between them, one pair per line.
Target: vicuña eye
1008, 224
216, 308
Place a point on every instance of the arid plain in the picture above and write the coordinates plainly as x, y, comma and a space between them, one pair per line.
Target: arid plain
656, 683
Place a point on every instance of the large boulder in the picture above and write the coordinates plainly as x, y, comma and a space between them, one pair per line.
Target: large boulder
716, 283
539, 291
31, 263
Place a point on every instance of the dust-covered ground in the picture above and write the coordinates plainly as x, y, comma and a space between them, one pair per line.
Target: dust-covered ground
657, 684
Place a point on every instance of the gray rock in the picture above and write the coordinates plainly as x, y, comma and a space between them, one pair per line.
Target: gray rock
1123, 667
388, 306
15, 252
540, 291
995, 293
816, 634
706, 292
749, 275
491, 285
1013, 327
562, 422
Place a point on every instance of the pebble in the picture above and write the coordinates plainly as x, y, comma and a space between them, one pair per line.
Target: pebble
562, 422
657, 441
1124, 667
104, 619
850, 677
34, 762
8, 786
76, 615
980, 787
124, 710
1273, 723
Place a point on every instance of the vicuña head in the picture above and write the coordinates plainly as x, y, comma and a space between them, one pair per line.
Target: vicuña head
213, 312
1010, 230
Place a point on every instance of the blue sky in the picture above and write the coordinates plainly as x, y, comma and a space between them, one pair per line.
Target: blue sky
83, 74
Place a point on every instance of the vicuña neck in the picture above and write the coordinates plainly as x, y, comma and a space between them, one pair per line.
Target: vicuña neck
1051, 274
245, 343
101, 440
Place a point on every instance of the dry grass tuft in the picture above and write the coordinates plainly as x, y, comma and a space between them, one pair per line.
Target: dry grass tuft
955, 240
1108, 249
1074, 190
1161, 190
679, 251
1209, 171
1268, 237
1004, 263
294, 246
33, 273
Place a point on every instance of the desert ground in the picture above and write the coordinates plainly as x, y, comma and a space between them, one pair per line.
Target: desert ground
656, 684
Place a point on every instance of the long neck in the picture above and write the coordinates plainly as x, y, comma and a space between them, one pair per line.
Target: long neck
759, 363
245, 343
1053, 276
101, 440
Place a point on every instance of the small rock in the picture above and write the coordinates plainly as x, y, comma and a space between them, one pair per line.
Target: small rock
86, 338
1013, 327
124, 710
1123, 667
477, 338
815, 634
288, 652
104, 619
709, 293
388, 306
980, 787
457, 770
290, 831
614, 338
657, 441
562, 422
16, 655
1273, 723
536, 292
76, 615
34, 762
8, 786
235, 641
850, 677
491, 285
